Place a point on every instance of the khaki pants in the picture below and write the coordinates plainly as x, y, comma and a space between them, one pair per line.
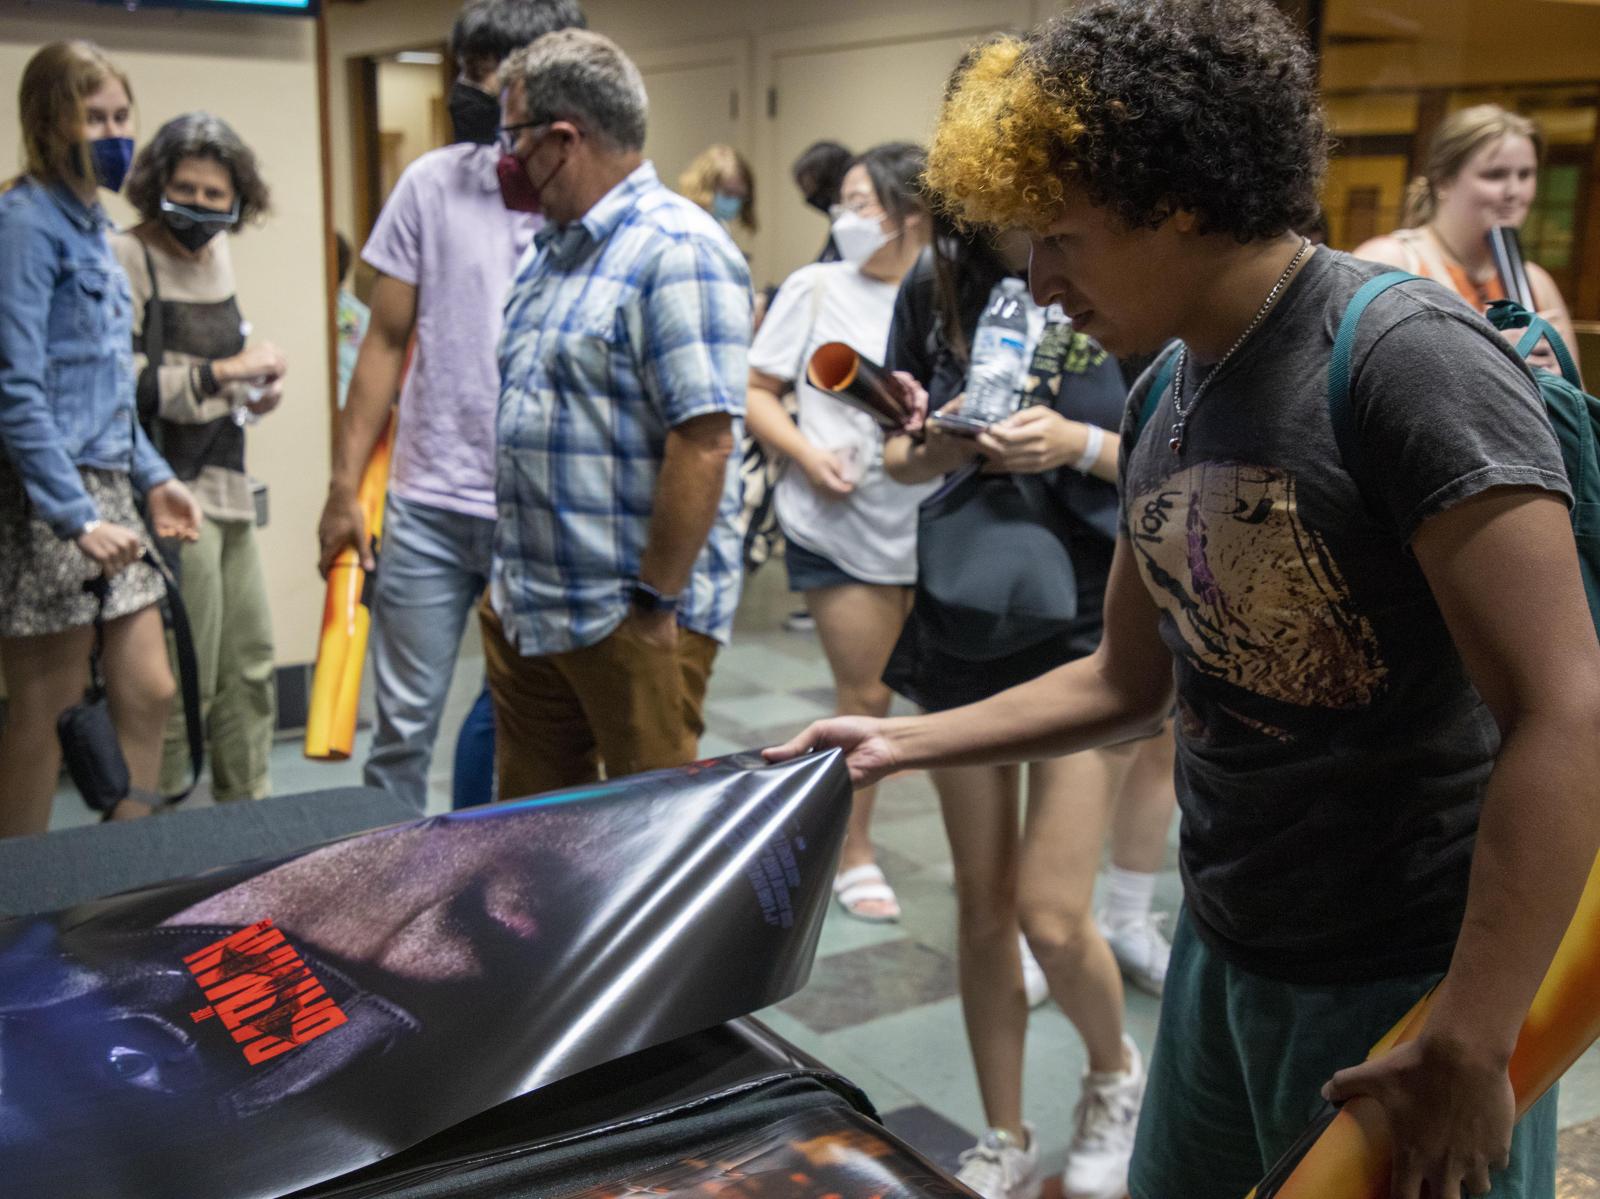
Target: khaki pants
225, 593
624, 702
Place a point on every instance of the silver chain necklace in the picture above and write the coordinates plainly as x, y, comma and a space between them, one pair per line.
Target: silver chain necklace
1183, 414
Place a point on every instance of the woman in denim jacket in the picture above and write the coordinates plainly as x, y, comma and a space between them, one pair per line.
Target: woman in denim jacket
73, 456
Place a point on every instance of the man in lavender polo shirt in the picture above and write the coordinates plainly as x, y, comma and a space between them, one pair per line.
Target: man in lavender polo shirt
445, 248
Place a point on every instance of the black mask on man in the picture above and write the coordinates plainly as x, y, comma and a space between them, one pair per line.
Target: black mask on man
474, 114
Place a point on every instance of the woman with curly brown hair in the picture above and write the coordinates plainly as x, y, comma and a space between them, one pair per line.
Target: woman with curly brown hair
1386, 676
200, 384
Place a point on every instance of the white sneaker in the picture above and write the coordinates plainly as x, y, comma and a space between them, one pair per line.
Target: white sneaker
1102, 1135
1141, 949
1033, 979
999, 1168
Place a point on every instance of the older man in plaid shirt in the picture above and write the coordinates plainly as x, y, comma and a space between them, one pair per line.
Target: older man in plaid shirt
622, 364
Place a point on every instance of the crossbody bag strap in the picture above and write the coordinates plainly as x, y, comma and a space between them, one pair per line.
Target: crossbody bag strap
188, 672
100, 588
148, 399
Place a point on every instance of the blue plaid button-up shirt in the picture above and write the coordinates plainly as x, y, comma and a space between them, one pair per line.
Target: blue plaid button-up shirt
619, 327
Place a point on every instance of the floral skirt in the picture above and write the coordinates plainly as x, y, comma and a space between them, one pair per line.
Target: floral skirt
42, 576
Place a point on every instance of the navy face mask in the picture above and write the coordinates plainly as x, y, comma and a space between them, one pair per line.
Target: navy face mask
111, 156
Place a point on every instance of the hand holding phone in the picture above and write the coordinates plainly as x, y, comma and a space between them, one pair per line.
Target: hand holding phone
957, 425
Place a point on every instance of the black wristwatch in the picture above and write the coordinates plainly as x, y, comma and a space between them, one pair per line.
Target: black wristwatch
647, 599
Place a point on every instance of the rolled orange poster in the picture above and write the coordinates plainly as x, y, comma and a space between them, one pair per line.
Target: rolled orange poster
859, 382
346, 620
1351, 1157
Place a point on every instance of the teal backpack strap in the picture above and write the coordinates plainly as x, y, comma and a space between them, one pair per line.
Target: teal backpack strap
1158, 388
1508, 314
1340, 412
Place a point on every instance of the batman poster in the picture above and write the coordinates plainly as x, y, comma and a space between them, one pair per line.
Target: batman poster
266, 1026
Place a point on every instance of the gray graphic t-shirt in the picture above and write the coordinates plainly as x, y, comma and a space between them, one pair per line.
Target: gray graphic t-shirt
1332, 753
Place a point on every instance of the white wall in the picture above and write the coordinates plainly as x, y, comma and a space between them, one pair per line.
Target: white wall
408, 98
258, 73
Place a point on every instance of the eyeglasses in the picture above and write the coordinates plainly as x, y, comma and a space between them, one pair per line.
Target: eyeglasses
860, 206
508, 133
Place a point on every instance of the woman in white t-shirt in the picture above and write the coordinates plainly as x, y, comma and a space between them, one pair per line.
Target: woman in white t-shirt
851, 530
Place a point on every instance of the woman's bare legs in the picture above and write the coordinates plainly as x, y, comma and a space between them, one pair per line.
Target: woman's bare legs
44, 676
1140, 823
858, 625
979, 804
1144, 807
1069, 802
139, 688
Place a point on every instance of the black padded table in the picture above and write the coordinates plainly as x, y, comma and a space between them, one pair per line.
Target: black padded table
56, 870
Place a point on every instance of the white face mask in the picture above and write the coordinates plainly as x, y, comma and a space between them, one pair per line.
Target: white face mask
859, 237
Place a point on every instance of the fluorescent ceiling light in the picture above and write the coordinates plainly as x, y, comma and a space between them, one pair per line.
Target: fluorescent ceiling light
420, 58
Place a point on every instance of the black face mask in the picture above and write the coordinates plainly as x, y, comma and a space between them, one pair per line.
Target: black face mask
821, 199
193, 226
474, 114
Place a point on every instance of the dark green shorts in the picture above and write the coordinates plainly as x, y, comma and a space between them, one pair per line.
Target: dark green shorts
1238, 1064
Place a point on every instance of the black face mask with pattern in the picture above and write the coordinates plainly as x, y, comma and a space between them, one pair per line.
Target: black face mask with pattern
194, 226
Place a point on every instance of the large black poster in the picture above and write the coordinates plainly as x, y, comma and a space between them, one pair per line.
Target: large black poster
263, 1027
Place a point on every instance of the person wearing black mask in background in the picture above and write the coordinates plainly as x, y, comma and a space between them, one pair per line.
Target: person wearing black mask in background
199, 386
445, 247
818, 172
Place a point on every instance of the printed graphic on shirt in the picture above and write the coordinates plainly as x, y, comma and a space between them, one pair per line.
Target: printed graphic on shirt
1253, 591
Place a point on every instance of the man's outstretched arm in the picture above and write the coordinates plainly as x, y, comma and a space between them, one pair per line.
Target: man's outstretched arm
1121, 691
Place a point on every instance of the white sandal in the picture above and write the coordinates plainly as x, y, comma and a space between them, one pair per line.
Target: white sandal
862, 885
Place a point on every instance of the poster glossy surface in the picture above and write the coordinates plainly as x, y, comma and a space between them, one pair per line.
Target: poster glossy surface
266, 1026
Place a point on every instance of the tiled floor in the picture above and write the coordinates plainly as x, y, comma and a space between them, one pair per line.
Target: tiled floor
881, 1005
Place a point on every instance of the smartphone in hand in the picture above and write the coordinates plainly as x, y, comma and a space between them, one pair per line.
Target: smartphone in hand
957, 425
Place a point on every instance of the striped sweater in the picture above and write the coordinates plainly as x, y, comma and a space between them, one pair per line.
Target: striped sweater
194, 429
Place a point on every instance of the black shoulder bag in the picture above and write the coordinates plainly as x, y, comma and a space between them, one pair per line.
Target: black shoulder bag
994, 574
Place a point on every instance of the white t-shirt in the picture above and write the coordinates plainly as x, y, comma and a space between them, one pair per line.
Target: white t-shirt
871, 533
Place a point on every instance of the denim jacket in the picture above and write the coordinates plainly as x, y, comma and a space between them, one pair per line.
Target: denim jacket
66, 354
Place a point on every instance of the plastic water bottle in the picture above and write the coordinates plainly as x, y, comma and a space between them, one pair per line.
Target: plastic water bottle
999, 353
242, 416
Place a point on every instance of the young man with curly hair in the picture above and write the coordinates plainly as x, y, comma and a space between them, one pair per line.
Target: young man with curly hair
1387, 682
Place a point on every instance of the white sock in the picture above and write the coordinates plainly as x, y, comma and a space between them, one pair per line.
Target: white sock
1128, 895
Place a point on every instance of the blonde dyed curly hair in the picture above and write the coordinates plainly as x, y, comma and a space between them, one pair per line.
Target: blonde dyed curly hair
1148, 107
1004, 140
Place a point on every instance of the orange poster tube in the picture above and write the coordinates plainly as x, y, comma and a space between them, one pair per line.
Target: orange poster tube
1352, 1157
346, 620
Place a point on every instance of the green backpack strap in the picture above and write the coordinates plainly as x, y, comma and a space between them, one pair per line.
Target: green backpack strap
1340, 411
1508, 314
1158, 388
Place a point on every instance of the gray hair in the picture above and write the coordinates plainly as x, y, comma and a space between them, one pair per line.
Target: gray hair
582, 76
